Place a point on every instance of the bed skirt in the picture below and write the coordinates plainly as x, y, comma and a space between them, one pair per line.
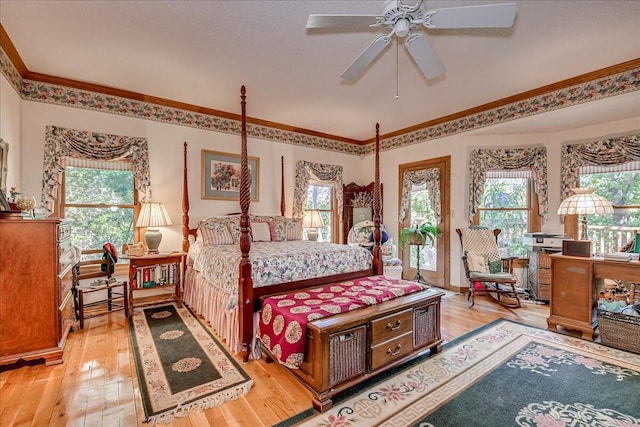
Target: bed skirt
212, 304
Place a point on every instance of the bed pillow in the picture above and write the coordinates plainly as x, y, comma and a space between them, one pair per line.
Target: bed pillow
477, 263
216, 234
260, 231
293, 228
278, 229
231, 221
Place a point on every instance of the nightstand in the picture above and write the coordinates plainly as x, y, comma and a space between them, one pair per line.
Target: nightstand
153, 271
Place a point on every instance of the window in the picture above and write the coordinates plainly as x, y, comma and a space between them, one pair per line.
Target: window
621, 186
99, 204
507, 204
320, 197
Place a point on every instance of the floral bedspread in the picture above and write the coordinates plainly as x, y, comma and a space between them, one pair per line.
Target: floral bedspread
284, 318
276, 262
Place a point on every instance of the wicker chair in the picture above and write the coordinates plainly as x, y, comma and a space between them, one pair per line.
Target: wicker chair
486, 272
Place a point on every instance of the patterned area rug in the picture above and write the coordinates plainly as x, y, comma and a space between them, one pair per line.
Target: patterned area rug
180, 365
503, 374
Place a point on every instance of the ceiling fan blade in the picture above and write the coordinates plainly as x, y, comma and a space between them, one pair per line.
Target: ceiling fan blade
366, 57
479, 16
338, 21
424, 55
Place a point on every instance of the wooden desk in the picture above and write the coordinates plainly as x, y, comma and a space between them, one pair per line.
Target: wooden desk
575, 283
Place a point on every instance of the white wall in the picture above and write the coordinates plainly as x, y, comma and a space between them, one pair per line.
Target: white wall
166, 150
166, 161
10, 131
458, 147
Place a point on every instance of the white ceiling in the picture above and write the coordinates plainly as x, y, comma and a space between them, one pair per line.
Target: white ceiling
201, 52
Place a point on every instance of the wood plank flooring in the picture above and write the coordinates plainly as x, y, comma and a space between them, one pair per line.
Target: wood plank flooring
97, 385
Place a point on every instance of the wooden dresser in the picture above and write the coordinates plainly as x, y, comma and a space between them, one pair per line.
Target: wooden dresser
36, 309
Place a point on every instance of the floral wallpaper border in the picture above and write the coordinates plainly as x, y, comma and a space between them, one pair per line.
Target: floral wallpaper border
617, 84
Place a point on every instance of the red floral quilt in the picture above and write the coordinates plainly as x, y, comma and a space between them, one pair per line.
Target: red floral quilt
283, 320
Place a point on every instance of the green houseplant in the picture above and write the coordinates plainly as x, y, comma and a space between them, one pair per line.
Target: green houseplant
419, 234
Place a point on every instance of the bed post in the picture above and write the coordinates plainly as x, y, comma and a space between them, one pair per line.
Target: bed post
245, 289
282, 207
377, 197
185, 204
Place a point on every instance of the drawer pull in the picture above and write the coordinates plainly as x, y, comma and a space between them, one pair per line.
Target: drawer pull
346, 337
423, 311
394, 353
393, 328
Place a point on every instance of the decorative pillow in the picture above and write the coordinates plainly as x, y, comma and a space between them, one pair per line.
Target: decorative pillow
477, 263
260, 231
231, 221
216, 234
293, 228
495, 267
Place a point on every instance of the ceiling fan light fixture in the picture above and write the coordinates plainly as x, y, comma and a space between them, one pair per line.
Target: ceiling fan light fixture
402, 27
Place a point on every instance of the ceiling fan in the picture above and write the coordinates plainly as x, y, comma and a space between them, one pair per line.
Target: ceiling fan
405, 20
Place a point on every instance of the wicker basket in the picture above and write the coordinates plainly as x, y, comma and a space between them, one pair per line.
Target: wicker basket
619, 330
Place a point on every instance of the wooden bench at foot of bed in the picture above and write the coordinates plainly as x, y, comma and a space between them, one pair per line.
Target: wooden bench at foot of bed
348, 348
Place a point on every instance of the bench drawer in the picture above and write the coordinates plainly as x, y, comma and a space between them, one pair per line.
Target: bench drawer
391, 326
390, 351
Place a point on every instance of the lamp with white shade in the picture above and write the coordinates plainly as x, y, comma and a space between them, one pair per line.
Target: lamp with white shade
584, 202
153, 215
312, 220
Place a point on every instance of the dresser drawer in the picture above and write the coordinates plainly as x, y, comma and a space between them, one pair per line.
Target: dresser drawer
64, 231
392, 350
391, 326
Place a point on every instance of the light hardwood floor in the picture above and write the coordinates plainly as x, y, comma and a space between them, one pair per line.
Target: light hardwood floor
97, 386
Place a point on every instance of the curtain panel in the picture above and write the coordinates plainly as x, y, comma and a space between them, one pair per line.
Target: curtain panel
306, 171
429, 177
612, 151
483, 160
61, 143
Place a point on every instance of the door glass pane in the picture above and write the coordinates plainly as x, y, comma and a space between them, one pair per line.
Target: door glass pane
421, 212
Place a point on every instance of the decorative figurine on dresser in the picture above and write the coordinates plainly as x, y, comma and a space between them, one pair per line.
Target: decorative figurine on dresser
36, 310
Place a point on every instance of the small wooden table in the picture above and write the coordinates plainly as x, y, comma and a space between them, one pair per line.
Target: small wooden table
152, 271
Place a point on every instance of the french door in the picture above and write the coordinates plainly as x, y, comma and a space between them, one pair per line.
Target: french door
421, 181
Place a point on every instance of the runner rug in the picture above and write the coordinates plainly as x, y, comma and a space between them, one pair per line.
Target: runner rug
180, 365
503, 374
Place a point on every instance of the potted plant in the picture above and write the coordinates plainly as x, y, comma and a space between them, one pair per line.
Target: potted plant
419, 234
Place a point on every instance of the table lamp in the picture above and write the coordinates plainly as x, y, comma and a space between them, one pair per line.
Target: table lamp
312, 220
584, 202
152, 215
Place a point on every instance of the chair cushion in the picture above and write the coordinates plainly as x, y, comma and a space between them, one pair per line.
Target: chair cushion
477, 263
488, 277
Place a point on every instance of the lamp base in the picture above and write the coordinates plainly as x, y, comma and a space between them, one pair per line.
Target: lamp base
152, 238
312, 234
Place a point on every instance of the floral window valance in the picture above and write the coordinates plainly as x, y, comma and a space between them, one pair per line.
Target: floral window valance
61, 143
612, 151
429, 177
483, 160
306, 171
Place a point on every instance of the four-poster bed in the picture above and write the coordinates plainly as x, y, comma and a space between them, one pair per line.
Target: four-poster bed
333, 328
236, 324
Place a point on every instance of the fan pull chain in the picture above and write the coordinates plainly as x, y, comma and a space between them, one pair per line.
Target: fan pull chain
397, 95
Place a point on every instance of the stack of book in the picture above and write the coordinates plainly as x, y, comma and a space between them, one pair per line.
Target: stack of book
621, 256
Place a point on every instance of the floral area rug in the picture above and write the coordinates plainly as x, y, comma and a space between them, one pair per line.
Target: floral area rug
503, 374
180, 365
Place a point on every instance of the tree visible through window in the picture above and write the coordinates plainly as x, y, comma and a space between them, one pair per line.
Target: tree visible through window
622, 189
99, 204
320, 197
505, 205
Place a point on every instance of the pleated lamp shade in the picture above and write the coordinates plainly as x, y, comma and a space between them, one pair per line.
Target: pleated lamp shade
153, 214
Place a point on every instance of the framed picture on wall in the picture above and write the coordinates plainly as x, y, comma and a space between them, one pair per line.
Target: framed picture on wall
221, 176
